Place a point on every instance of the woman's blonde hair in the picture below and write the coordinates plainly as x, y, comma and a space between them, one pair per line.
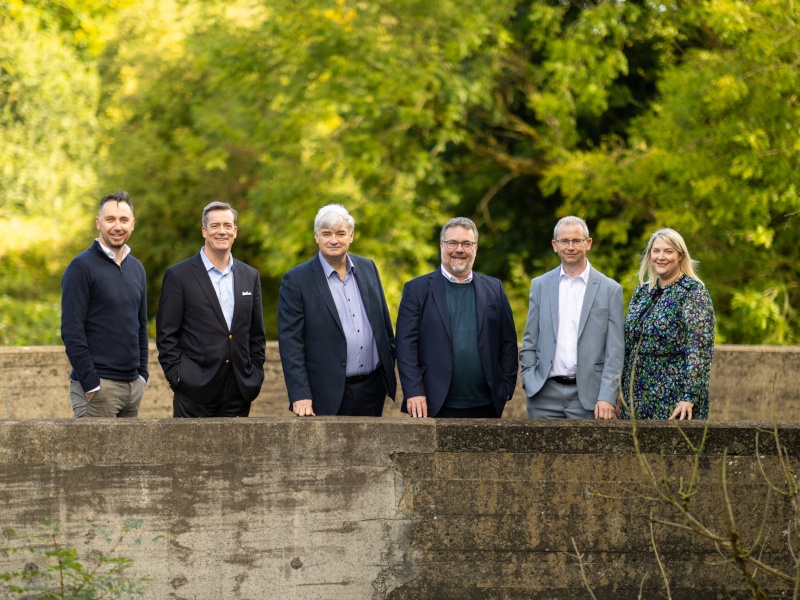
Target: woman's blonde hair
674, 239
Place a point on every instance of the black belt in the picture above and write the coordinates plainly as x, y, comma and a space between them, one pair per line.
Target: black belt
564, 380
359, 378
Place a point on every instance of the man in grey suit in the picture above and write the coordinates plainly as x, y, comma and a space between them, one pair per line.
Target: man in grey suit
573, 347
334, 330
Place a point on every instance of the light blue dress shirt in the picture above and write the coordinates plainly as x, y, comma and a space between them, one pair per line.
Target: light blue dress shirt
362, 351
223, 285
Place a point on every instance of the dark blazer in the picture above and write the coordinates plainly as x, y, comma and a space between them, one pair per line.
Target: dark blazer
311, 338
194, 344
424, 347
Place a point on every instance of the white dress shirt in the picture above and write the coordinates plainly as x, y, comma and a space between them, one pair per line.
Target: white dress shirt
571, 291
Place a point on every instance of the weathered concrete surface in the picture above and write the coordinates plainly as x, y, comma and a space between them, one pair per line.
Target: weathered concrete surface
349, 508
34, 384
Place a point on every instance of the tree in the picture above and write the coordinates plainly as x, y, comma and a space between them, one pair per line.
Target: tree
48, 103
631, 114
284, 109
714, 157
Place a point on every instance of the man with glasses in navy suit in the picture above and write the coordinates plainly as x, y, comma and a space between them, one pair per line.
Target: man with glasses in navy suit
456, 342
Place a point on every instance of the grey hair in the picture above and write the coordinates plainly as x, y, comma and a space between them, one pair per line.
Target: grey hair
219, 206
460, 222
572, 221
333, 215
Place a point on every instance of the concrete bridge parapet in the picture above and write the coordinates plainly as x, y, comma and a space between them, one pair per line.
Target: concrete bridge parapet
744, 382
350, 508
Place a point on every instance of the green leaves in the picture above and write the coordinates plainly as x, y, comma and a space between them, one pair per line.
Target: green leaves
631, 114
715, 157
58, 572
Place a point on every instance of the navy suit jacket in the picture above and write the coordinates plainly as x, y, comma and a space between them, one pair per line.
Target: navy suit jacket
424, 346
194, 344
311, 338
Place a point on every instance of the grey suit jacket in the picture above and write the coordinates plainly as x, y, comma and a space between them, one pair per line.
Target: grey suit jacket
601, 342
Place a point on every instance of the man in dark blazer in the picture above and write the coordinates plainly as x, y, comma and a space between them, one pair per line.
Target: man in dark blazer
456, 342
573, 347
210, 325
334, 330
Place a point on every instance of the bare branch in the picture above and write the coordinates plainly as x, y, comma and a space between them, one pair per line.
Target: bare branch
584, 579
658, 558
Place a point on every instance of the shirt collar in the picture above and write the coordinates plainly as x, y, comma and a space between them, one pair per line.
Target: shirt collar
328, 269
208, 264
452, 278
584, 275
110, 253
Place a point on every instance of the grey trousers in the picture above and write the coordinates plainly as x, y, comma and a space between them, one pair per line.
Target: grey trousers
557, 401
113, 399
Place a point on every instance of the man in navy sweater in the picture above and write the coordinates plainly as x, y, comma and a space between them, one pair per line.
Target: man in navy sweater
104, 318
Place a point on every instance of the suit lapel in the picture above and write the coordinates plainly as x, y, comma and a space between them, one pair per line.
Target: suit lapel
318, 276
440, 299
480, 299
552, 291
238, 288
588, 299
204, 281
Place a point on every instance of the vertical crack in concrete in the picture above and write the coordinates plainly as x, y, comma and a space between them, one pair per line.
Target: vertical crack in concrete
399, 566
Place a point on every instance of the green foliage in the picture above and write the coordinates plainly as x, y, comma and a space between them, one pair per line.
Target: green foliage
634, 115
48, 108
23, 320
715, 157
284, 109
58, 572
48, 117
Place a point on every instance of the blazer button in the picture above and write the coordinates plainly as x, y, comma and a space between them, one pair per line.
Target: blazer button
227, 361
230, 337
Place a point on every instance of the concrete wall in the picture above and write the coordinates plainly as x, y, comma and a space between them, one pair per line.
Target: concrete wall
744, 381
351, 508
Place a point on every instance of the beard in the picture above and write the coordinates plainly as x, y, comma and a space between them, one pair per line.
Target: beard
458, 266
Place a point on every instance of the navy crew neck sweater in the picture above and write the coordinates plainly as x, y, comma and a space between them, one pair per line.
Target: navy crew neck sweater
468, 387
104, 318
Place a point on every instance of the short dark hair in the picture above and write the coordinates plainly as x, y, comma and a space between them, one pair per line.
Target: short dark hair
119, 196
219, 206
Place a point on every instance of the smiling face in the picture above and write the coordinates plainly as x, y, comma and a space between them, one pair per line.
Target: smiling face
219, 231
334, 242
115, 224
458, 260
665, 260
571, 245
